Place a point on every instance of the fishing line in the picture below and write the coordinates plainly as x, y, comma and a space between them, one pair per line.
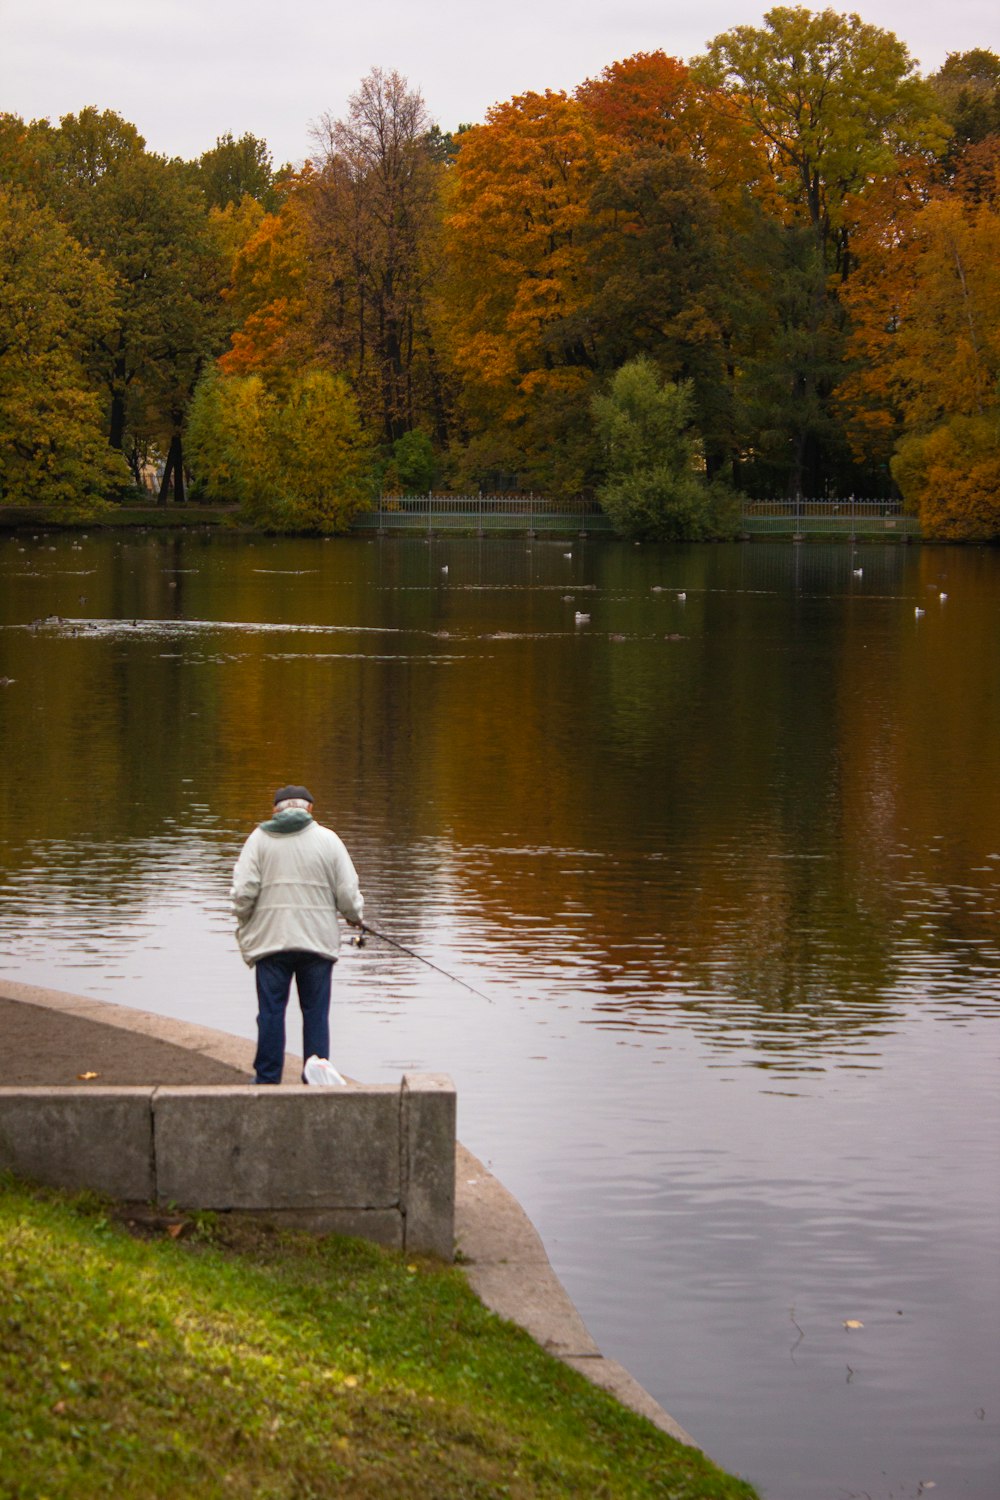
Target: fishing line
359, 942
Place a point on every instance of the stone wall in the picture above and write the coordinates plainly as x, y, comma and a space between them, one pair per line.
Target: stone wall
375, 1161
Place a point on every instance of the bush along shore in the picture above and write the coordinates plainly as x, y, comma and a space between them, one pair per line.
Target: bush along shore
155, 1354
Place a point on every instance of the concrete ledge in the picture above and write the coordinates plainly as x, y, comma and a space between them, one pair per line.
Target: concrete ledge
427, 1162
302, 1148
68, 1137
376, 1161
383, 1226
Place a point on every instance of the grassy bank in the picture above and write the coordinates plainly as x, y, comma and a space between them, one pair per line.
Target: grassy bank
219, 1357
21, 518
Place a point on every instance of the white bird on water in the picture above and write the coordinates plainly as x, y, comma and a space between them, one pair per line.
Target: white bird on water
581, 618
942, 597
918, 611
444, 568
858, 572
682, 596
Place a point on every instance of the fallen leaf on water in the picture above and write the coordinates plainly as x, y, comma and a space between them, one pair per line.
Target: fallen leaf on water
853, 1323
88, 1075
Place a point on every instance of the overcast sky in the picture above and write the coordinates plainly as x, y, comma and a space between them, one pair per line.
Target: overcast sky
186, 71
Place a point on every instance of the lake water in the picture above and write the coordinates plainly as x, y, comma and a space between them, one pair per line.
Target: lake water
725, 868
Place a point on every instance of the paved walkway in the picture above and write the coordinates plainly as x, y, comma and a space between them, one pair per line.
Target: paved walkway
51, 1039
42, 1045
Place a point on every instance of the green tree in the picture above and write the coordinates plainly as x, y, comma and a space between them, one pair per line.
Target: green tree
659, 274
833, 108
233, 170
833, 103
55, 301
295, 460
967, 89
411, 469
139, 214
656, 484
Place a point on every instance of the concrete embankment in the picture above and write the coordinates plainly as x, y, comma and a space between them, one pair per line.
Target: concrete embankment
148, 1072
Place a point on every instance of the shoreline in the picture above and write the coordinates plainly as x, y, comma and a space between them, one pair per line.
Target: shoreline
498, 1248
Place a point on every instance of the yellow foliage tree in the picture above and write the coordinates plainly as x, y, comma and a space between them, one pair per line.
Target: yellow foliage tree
952, 476
56, 300
295, 458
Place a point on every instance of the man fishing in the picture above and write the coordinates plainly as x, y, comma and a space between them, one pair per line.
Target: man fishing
291, 880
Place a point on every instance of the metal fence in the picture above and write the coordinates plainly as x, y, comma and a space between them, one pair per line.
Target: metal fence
828, 517
851, 506
532, 515
479, 514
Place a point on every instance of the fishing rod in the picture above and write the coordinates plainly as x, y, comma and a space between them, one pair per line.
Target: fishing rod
359, 942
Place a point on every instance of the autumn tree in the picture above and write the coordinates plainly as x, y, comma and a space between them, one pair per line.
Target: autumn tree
296, 460
26, 154
951, 477
646, 101
56, 301
926, 308
374, 206
518, 288
834, 103
270, 297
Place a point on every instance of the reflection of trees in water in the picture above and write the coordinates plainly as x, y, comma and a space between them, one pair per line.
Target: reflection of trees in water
88, 896
778, 758
763, 808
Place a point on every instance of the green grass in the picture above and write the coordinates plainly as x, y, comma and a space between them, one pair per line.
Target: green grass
242, 1360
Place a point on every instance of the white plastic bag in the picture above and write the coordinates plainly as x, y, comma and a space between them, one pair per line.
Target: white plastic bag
320, 1070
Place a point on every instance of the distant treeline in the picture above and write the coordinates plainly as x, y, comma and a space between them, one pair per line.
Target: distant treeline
772, 271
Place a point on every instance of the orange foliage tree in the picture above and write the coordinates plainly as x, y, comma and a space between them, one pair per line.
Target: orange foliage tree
517, 290
926, 310
268, 295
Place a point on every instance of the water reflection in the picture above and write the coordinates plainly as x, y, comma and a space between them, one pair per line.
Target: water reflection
727, 868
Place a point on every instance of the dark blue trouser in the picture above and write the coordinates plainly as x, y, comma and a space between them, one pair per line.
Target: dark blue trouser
274, 975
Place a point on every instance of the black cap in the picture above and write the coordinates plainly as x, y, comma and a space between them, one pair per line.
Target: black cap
292, 794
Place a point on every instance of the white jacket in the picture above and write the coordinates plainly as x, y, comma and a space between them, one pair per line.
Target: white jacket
289, 886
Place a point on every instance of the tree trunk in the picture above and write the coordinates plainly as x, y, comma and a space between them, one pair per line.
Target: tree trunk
161, 498
118, 387
173, 473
